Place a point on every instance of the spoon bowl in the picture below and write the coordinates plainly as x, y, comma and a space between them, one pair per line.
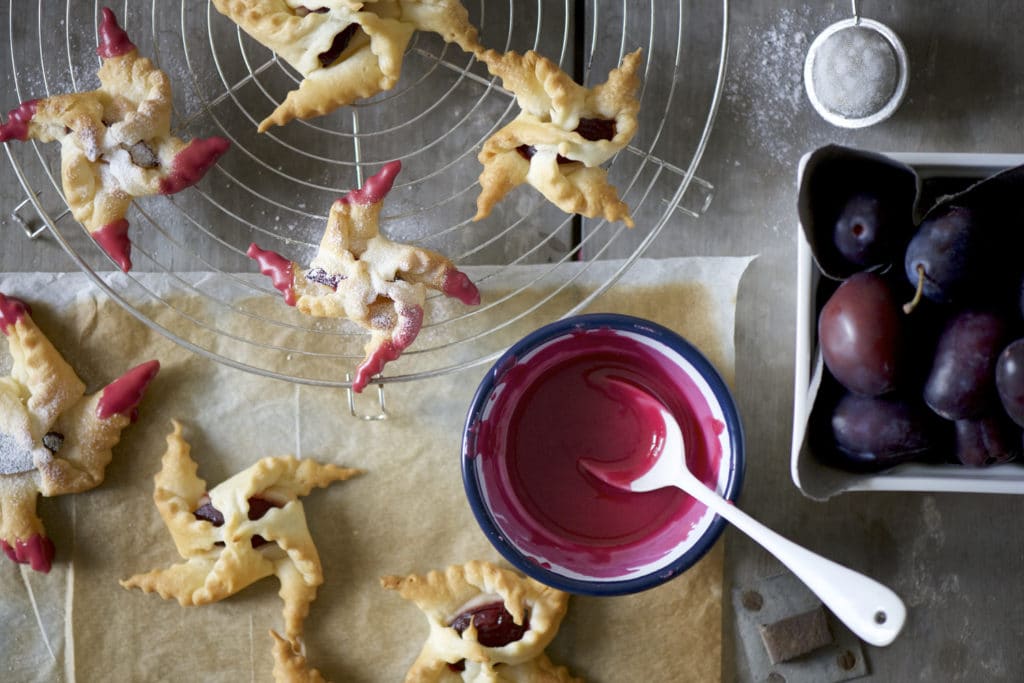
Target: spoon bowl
872, 611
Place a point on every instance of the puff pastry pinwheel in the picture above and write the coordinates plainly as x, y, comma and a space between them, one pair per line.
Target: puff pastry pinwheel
486, 624
54, 439
115, 141
361, 275
346, 50
562, 135
246, 528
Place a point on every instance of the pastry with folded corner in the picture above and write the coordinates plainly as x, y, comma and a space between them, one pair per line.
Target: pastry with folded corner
345, 50
244, 529
486, 624
562, 135
115, 141
361, 275
54, 438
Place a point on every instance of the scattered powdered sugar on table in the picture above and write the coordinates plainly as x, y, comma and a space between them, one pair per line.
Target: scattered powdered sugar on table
765, 89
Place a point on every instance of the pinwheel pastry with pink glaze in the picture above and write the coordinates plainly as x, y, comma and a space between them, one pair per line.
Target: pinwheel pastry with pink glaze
346, 50
562, 135
360, 274
486, 624
54, 439
115, 141
244, 529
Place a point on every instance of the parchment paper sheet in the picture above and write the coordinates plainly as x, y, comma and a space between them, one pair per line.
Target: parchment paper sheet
406, 514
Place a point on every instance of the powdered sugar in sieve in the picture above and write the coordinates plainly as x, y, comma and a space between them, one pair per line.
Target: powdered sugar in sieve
856, 72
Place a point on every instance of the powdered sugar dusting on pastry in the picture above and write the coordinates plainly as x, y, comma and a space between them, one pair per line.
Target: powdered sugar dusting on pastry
361, 275
14, 458
53, 423
99, 130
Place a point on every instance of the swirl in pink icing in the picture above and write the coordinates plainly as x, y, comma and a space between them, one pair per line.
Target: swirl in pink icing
410, 321
192, 163
18, 119
277, 268
113, 239
11, 311
376, 188
114, 42
37, 551
458, 285
123, 395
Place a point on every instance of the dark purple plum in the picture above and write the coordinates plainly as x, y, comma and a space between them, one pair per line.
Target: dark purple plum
1010, 380
952, 257
860, 333
962, 381
863, 232
988, 440
875, 432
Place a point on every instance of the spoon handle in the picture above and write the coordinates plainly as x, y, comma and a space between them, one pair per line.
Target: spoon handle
872, 611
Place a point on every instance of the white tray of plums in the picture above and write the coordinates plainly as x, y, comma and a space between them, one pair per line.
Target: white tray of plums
910, 329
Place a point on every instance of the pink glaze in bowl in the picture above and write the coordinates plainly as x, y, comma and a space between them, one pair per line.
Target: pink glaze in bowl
546, 404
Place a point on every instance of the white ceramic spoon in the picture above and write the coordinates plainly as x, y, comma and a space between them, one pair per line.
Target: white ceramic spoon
869, 609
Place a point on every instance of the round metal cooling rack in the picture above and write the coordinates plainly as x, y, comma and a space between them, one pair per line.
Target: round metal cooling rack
191, 280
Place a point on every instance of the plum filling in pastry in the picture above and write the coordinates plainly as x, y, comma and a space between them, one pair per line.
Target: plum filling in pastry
257, 508
596, 129
53, 441
143, 155
495, 626
588, 129
338, 46
322, 277
303, 11
208, 513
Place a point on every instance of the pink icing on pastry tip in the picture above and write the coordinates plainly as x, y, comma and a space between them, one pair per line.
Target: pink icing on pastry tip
114, 42
113, 239
11, 311
277, 268
409, 324
18, 119
192, 163
373, 364
376, 188
123, 395
37, 551
458, 285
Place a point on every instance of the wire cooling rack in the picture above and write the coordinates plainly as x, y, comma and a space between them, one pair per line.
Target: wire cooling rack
191, 280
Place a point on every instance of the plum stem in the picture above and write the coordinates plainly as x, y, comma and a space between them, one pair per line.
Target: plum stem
909, 307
